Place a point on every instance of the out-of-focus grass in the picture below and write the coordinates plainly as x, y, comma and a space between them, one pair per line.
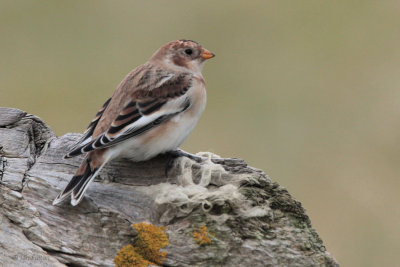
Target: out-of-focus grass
307, 91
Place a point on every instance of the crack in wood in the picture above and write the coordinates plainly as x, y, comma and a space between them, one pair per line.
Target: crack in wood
3, 163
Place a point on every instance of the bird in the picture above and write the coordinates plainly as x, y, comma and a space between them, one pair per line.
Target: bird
152, 111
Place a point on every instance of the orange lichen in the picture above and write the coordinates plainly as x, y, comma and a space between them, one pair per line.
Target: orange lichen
201, 236
146, 246
150, 240
127, 257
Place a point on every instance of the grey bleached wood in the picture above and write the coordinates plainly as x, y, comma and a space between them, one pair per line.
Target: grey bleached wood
254, 220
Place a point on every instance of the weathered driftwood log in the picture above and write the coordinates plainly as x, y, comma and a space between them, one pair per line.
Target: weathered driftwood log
252, 220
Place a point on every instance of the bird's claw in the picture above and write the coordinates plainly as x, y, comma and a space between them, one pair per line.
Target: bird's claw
174, 154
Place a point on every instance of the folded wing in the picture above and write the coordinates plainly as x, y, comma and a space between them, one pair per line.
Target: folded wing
146, 109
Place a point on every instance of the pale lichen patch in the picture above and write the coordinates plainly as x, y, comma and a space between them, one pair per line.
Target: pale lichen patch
180, 199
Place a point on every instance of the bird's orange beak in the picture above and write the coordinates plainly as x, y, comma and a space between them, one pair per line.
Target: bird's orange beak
206, 54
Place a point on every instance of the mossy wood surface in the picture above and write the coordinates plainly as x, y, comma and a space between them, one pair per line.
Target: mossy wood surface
250, 220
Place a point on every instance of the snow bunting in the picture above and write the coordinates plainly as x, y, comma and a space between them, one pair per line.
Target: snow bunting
152, 111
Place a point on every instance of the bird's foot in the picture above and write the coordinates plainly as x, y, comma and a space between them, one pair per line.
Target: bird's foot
180, 153
174, 154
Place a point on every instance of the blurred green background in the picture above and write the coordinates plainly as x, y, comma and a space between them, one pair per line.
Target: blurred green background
308, 91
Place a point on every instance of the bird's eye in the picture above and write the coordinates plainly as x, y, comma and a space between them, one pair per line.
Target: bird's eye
189, 51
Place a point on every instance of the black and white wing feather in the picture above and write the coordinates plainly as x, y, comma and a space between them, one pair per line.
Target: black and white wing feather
87, 135
146, 109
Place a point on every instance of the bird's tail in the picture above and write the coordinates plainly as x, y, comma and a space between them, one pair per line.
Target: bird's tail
81, 180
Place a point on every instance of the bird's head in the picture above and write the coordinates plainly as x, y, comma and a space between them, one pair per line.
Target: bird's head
183, 54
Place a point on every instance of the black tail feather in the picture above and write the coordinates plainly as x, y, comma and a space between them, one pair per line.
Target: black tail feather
77, 185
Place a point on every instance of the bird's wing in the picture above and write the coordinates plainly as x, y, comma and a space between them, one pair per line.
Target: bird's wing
87, 135
147, 108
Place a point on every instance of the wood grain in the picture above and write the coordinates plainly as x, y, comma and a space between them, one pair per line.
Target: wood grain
254, 220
